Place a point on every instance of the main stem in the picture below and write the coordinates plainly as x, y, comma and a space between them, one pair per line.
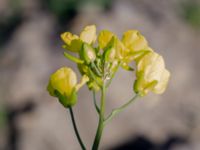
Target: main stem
101, 120
75, 129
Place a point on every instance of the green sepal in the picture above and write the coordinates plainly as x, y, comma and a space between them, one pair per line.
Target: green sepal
139, 54
67, 101
141, 87
150, 86
138, 82
50, 89
74, 46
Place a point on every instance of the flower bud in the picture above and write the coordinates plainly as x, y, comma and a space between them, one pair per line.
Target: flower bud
74, 42
88, 35
110, 54
63, 84
87, 53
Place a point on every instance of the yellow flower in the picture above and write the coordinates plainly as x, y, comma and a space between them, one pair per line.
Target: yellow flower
151, 74
133, 47
134, 41
63, 84
74, 42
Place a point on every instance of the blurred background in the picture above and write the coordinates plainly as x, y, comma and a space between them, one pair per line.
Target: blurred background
30, 50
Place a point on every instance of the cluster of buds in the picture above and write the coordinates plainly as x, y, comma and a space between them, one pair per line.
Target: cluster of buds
98, 59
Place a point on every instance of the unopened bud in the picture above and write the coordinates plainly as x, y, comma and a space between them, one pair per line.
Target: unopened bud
88, 53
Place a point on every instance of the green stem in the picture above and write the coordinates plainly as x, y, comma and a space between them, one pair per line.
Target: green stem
75, 129
93, 76
95, 102
101, 120
113, 74
118, 110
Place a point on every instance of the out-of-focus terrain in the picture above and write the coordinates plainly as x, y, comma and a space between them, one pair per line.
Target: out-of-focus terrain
30, 50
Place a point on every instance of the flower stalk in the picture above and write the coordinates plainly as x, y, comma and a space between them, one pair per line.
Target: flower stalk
95, 102
75, 129
120, 109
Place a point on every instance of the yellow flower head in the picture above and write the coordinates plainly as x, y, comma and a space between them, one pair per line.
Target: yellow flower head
110, 53
63, 84
74, 42
151, 74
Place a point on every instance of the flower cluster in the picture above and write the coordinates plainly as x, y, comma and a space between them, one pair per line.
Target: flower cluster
99, 58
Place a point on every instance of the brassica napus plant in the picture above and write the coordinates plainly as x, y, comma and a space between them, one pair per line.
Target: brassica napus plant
99, 58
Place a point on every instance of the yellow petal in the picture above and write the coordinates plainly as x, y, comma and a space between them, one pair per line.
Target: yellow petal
68, 37
152, 64
161, 86
63, 80
72, 41
121, 50
134, 41
104, 38
88, 35
129, 37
